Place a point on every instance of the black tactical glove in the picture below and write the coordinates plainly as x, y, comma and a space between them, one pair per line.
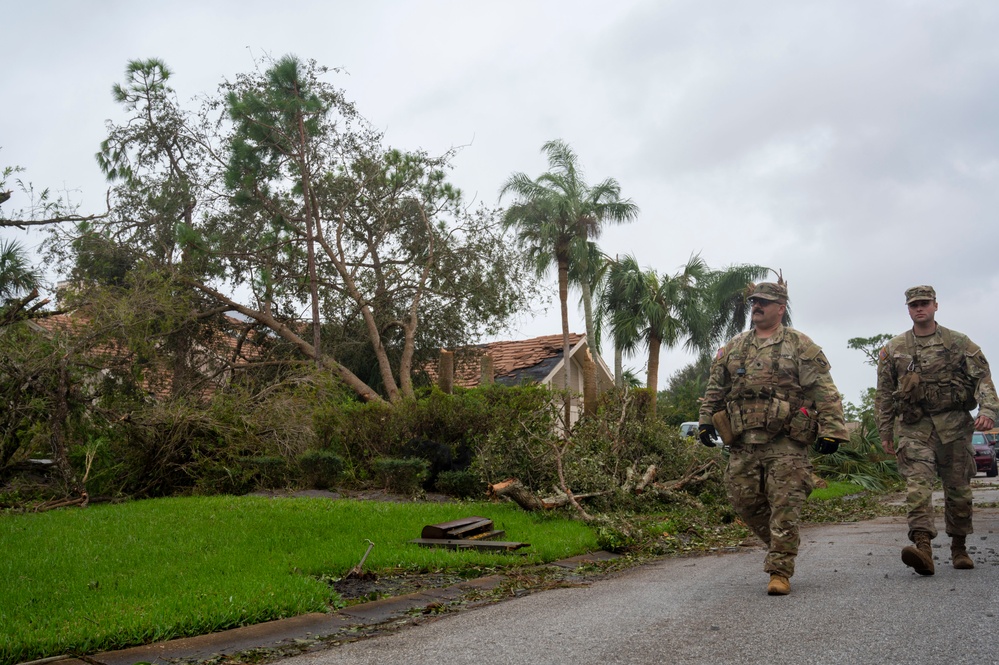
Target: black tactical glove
707, 435
826, 445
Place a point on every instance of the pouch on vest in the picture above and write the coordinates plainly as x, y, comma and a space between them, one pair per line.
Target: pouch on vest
804, 426
964, 397
908, 411
910, 386
735, 418
907, 398
778, 413
723, 427
754, 413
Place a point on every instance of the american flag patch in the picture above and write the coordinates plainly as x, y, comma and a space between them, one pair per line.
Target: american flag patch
883, 353
721, 350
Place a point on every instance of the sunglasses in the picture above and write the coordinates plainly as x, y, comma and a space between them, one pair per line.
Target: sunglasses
916, 304
762, 302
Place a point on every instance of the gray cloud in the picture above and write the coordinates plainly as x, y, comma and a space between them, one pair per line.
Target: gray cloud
851, 144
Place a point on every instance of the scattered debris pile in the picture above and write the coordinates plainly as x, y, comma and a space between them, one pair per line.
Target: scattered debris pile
466, 533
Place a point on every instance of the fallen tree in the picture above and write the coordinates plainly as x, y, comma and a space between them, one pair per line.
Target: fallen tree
514, 490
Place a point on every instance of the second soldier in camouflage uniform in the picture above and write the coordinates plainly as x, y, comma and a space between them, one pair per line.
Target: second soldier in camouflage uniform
772, 384
929, 379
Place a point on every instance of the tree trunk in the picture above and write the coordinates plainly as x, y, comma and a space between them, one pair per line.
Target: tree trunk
413, 317
652, 381
286, 333
311, 229
618, 367
445, 372
589, 384
563, 296
180, 345
588, 314
374, 334
515, 490
57, 424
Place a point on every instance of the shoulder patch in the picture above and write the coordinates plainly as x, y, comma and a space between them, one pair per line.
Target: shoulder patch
809, 350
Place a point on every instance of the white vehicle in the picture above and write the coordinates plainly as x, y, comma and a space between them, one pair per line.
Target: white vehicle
688, 429
691, 429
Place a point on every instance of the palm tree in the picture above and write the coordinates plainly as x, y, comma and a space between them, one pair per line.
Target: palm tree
653, 310
695, 308
16, 274
726, 303
546, 240
611, 286
588, 268
590, 208
556, 215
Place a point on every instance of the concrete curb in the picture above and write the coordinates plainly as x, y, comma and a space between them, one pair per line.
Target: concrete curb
298, 634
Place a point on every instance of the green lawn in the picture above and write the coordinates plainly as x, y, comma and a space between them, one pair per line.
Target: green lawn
85, 580
835, 489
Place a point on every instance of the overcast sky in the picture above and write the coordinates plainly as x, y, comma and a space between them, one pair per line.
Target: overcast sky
851, 144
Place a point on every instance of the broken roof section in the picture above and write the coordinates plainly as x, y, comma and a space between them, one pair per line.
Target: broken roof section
532, 361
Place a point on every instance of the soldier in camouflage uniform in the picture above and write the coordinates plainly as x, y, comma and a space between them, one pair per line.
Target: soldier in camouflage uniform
770, 388
929, 379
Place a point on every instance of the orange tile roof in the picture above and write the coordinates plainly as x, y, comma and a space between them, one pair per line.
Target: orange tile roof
512, 360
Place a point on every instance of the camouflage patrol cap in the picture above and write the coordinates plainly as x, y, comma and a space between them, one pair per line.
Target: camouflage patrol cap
770, 291
920, 293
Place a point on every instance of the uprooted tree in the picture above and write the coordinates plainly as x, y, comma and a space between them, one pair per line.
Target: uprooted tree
279, 202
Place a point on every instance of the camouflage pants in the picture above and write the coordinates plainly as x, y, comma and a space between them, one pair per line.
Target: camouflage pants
768, 484
920, 462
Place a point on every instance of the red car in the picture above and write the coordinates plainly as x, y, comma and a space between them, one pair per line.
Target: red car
985, 455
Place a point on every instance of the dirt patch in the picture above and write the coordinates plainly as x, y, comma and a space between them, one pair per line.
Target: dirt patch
368, 586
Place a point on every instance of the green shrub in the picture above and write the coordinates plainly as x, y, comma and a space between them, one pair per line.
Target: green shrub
616, 538
461, 484
220, 477
102, 460
518, 444
468, 421
268, 471
359, 432
403, 476
321, 469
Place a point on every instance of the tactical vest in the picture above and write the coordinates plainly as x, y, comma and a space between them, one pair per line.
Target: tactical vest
764, 403
935, 385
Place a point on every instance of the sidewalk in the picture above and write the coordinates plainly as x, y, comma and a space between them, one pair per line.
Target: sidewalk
985, 490
303, 633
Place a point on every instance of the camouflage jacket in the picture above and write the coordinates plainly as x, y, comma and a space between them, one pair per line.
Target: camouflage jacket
788, 364
932, 382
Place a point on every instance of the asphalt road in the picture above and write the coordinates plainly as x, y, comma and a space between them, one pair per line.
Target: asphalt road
852, 601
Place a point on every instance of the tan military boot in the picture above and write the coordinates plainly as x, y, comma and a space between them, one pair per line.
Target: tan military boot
919, 556
779, 585
959, 555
